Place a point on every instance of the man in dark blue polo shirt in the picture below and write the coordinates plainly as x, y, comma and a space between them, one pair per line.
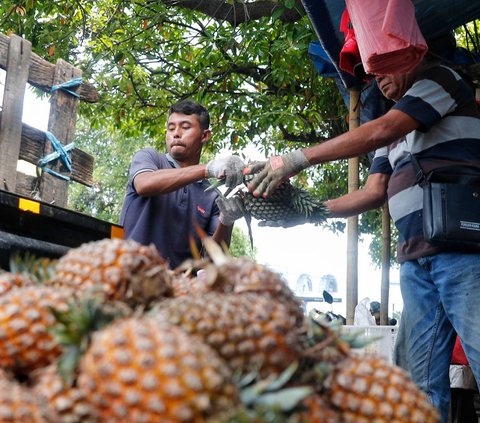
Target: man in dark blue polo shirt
166, 195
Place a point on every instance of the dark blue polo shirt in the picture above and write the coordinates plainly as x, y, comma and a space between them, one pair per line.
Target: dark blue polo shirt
167, 220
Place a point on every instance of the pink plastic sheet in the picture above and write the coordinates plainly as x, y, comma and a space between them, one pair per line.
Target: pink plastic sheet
387, 34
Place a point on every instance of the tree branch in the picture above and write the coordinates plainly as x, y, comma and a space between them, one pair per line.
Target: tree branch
240, 12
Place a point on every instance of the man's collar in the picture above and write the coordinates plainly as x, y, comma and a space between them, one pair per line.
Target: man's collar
172, 161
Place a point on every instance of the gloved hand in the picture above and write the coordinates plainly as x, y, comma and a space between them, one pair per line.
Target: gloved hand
230, 168
231, 209
274, 171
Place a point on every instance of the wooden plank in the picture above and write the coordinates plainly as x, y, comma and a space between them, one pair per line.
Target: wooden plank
32, 147
41, 73
26, 185
61, 123
11, 124
31, 150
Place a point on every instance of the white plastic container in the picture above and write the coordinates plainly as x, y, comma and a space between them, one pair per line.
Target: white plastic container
383, 346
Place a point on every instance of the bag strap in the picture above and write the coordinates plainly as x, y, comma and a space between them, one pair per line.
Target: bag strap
455, 174
419, 173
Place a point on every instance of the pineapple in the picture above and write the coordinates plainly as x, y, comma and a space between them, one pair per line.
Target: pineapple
25, 270
241, 275
251, 331
56, 384
360, 388
316, 409
61, 403
288, 203
368, 389
143, 369
25, 319
121, 269
17, 403
183, 284
10, 280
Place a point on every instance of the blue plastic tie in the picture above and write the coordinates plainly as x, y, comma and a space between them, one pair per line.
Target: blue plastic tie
60, 152
75, 82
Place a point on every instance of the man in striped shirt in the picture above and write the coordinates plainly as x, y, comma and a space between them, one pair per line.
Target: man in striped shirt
435, 117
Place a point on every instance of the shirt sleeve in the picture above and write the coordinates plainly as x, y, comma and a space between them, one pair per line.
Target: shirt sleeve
143, 161
431, 97
214, 219
380, 163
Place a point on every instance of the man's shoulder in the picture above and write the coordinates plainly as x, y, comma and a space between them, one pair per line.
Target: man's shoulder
439, 73
150, 155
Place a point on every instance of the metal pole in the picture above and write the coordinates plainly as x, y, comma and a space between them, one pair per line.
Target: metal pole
386, 255
352, 222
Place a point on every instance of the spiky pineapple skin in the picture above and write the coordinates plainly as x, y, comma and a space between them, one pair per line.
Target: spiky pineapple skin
249, 330
145, 369
9, 280
17, 403
240, 275
369, 389
317, 409
60, 402
120, 269
286, 203
25, 320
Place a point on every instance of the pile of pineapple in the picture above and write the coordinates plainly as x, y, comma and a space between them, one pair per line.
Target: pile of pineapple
108, 333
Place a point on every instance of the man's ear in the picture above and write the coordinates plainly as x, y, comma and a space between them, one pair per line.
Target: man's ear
207, 133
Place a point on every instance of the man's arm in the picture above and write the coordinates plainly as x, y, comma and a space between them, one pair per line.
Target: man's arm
163, 181
231, 209
370, 136
371, 196
223, 234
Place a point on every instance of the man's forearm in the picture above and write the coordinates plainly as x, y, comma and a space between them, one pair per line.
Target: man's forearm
163, 181
223, 234
371, 196
367, 137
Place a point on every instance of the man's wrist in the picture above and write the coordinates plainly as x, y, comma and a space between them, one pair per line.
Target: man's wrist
299, 159
225, 221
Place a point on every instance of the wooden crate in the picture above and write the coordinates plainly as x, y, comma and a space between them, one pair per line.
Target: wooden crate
21, 141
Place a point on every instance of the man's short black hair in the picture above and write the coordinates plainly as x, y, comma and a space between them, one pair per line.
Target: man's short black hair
189, 107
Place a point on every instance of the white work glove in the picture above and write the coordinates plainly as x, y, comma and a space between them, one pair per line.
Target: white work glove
274, 171
228, 168
231, 209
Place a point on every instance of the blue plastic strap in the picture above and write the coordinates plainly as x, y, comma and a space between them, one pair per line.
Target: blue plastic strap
75, 82
60, 152
56, 174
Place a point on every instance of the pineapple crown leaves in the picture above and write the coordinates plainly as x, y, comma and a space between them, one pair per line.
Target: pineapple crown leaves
75, 327
271, 393
40, 270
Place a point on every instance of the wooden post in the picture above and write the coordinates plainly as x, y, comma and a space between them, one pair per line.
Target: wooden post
61, 123
352, 222
18, 62
386, 256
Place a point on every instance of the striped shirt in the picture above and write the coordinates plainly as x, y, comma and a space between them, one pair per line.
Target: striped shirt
449, 133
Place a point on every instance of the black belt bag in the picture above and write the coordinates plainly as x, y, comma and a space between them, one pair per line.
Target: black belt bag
451, 205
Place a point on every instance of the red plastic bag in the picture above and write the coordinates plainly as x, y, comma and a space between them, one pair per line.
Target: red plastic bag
458, 355
387, 34
350, 60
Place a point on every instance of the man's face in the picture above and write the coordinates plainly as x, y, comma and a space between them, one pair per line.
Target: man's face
185, 137
395, 86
